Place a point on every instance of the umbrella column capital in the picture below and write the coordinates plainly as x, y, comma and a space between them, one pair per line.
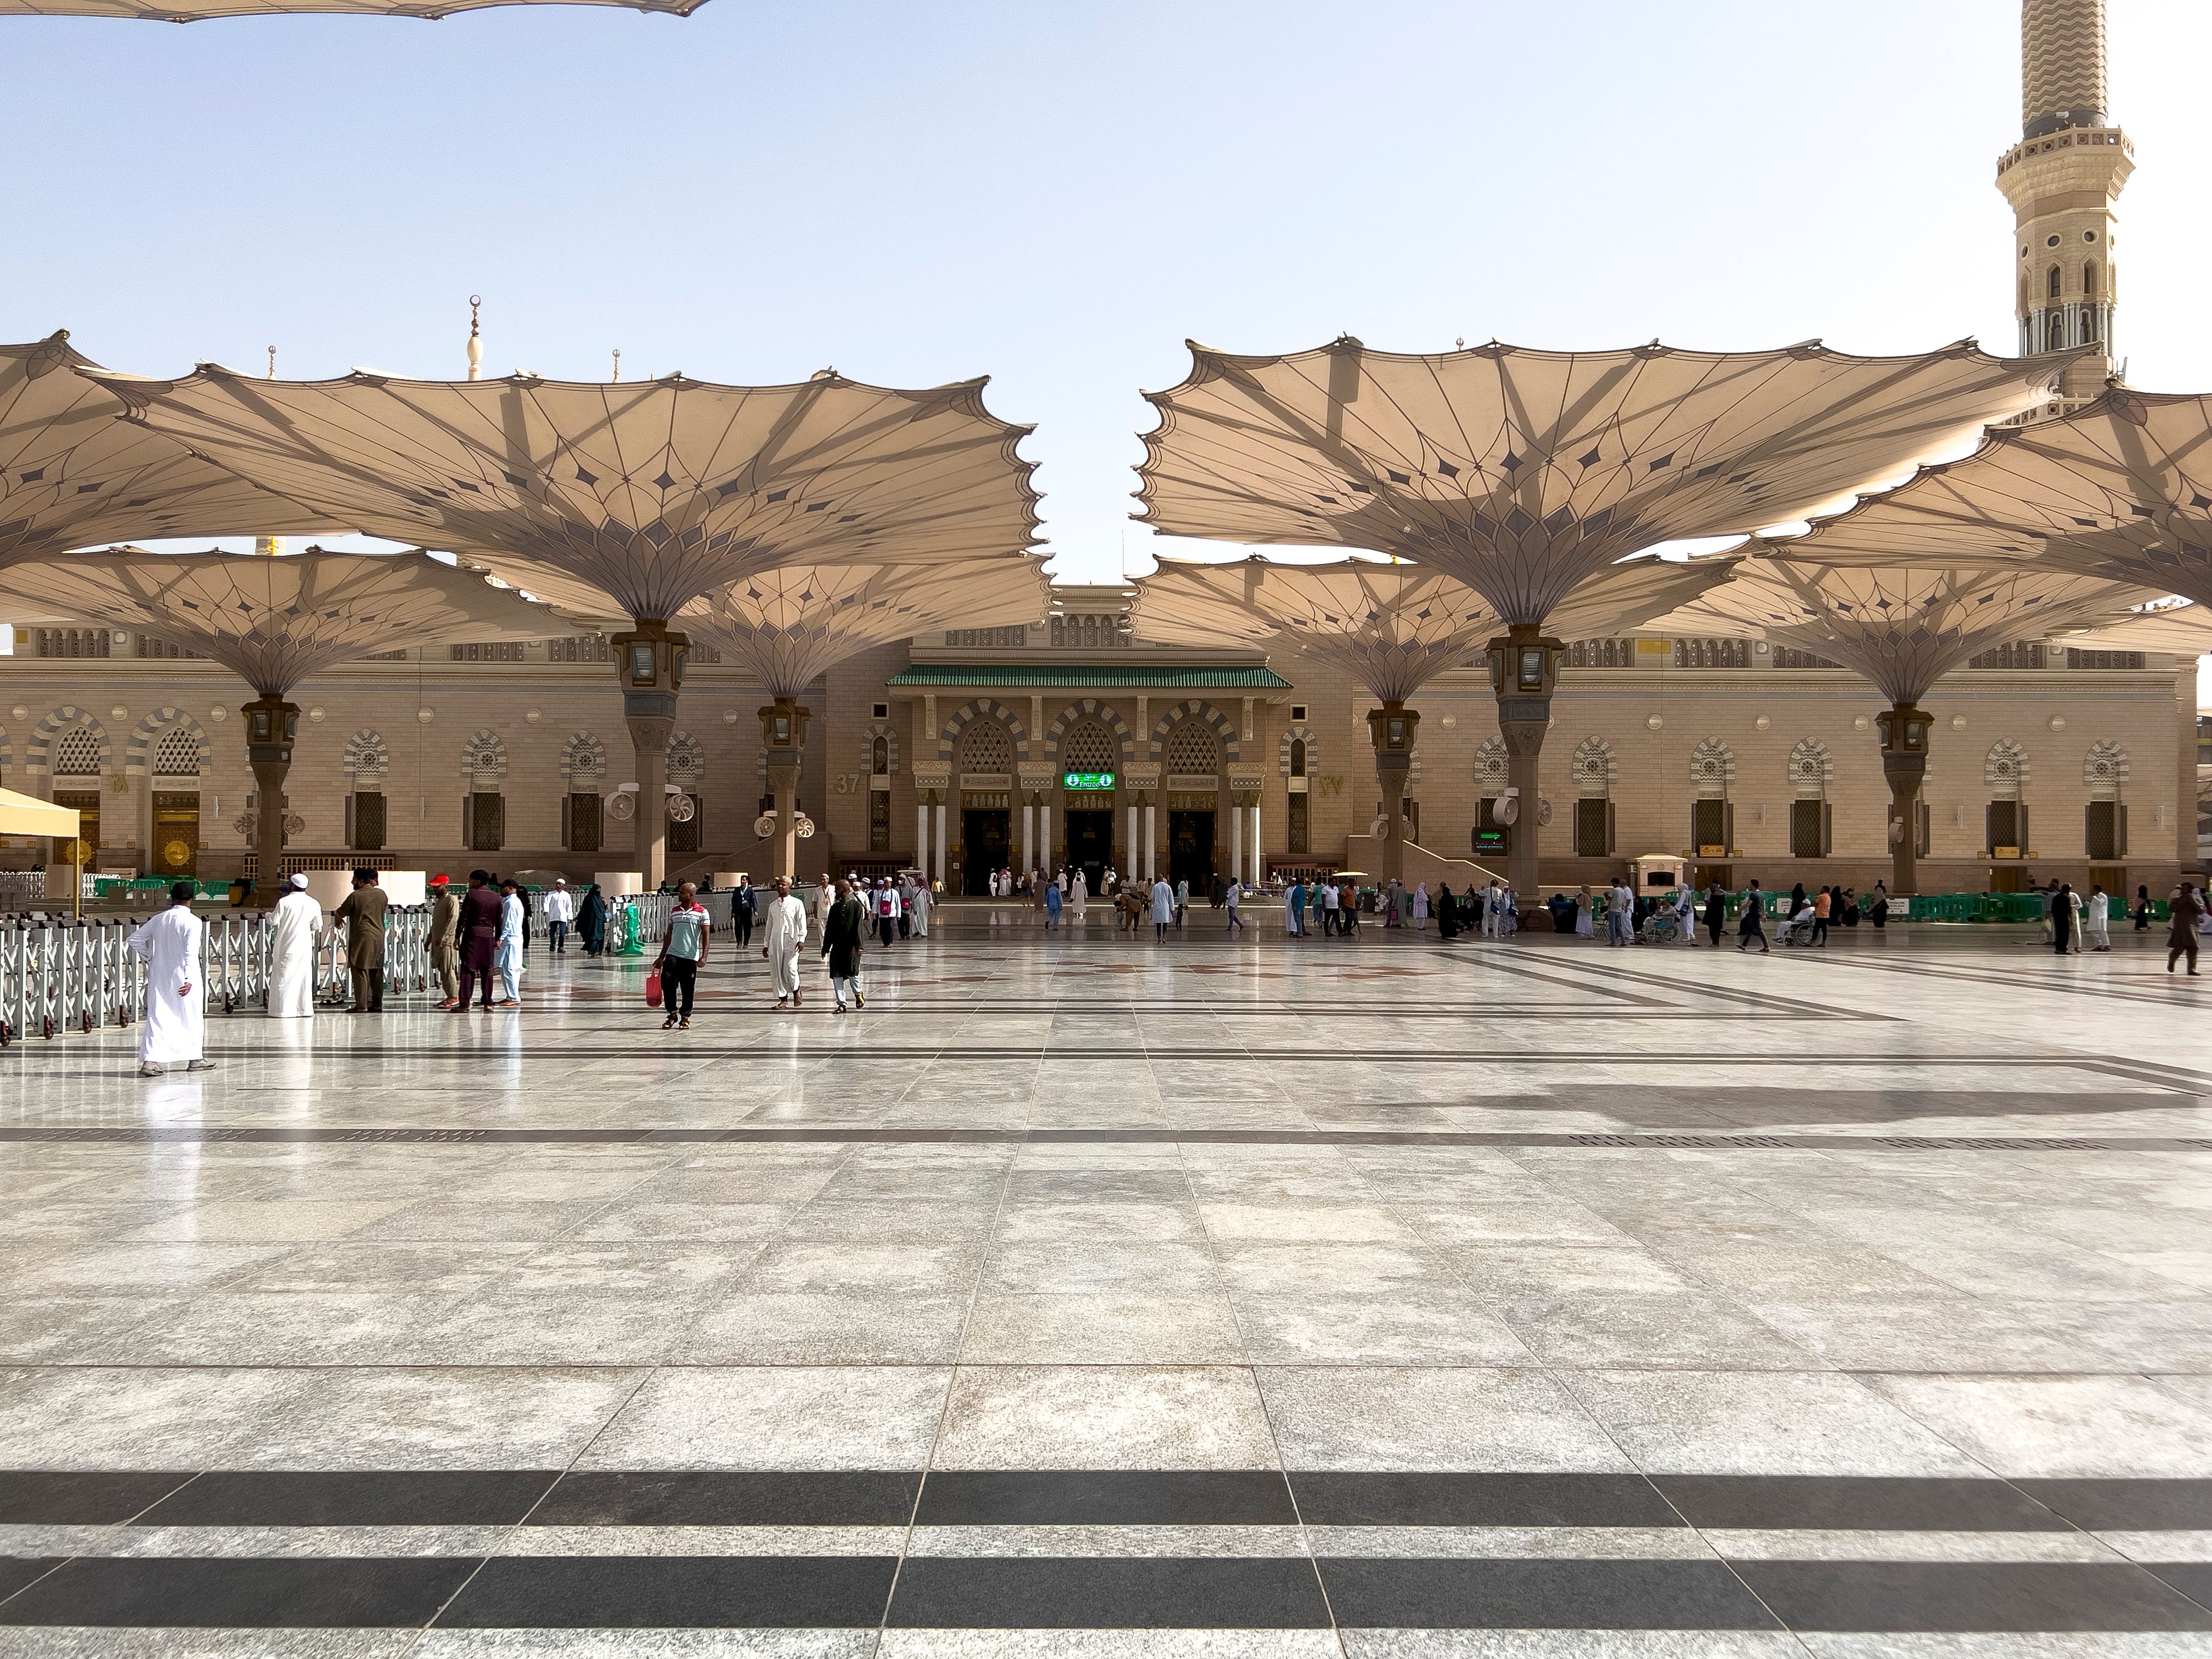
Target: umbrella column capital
271, 724
783, 737
1904, 730
1524, 672
649, 661
1390, 729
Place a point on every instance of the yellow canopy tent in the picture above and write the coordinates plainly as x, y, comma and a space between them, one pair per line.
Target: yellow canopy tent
26, 815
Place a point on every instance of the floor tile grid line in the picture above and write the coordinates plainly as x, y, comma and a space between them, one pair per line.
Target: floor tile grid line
29, 1584
647, 1373
1793, 1007
944, 1415
2178, 997
1267, 1413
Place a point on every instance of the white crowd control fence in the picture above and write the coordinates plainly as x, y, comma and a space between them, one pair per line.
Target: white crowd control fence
58, 975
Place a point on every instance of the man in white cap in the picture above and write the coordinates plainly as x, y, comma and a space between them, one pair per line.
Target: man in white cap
175, 1025
292, 929
559, 910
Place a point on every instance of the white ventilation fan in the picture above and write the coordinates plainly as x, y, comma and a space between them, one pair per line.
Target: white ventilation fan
1896, 831
622, 806
682, 809
1508, 811
1543, 810
1380, 826
764, 825
803, 826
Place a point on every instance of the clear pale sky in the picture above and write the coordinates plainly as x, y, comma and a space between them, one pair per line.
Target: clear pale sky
1058, 194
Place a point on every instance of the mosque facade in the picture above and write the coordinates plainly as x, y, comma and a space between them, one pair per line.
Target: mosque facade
1068, 741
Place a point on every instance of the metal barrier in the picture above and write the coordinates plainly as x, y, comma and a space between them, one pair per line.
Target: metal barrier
56, 975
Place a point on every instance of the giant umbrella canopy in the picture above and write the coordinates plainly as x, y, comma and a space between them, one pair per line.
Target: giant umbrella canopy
73, 474
1393, 628
790, 625
192, 11
272, 622
1525, 473
1903, 626
632, 500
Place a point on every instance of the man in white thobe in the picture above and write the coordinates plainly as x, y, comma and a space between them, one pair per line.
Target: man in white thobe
175, 1025
786, 925
507, 955
560, 909
293, 927
919, 904
1163, 896
1079, 892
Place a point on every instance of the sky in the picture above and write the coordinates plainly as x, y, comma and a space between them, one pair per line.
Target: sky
1058, 195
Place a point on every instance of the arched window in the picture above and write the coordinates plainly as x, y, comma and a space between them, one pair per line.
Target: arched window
1089, 747
1298, 757
879, 757
2089, 279
1191, 750
177, 753
986, 747
76, 754
2050, 286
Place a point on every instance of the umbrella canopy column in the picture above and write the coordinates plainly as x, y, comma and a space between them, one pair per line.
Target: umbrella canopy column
1905, 765
783, 735
271, 725
650, 663
1524, 672
1390, 728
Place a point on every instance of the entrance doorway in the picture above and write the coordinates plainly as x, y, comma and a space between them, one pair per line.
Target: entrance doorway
985, 843
1707, 874
1190, 848
1090, 844
177, 833
87, 803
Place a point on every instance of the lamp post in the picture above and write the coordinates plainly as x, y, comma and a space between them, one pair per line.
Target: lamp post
1524, 672
1905, 765
649, 662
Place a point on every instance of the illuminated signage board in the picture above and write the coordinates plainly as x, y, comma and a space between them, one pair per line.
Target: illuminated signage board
1087, 780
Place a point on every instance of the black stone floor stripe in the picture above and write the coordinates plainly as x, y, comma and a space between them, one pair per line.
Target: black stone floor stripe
834, 1498
1369, 1592
1107, 1593
1363, 1499
65, 1498
201, 1591
1976, 1596
2192, 1579
1856, 1503
1106, 1498
2118, 1505
354, 1497
634, 1592
17, 1571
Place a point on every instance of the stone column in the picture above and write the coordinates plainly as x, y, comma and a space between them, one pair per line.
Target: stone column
921, 832
783, 735
271, 724
1028, 826
1524, 672
649, 662
932, 778
1237, 842
937, 850
1151, 843
1391, 728
1130, 856
1259, 864
1044, 833
1904, 763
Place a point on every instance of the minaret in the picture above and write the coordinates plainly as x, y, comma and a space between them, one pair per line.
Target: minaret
2062, 179
476, 341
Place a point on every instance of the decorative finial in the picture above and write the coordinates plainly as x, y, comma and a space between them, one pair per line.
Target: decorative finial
476, 344
617, 365
272, 362
1459, 341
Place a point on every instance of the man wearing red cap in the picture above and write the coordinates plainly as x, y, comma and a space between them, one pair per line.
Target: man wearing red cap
444, 938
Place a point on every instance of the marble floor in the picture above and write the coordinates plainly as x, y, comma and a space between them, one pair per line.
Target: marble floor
1084, 1295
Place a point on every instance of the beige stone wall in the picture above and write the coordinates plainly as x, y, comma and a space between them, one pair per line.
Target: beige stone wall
1651, 785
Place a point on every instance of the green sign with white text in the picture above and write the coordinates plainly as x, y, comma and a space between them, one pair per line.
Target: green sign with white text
1087, 780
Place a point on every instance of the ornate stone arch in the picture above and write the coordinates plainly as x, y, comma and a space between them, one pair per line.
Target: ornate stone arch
1812, 768
147, 737
2004, 769
484, 760
885, 730
948, 738
584, 762
1713, 770
2105, 769
1299, 733
1092, 709
368, 757
686, 761
57, 725
1491, 775
986, 746
1224, 730
7, 753
1593, 767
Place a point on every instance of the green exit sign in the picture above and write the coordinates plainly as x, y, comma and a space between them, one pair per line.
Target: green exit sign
1087, 780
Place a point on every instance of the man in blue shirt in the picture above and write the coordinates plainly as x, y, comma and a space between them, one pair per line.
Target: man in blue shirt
682, 948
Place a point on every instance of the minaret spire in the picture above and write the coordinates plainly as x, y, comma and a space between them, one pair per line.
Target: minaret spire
476, 341
2062, 179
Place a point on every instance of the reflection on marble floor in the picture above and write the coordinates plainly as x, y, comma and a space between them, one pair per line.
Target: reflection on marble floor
1087, 1296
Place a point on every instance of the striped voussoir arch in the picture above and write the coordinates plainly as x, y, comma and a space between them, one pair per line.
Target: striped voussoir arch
1198, 708
1091, 709
138, 751
948, 738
